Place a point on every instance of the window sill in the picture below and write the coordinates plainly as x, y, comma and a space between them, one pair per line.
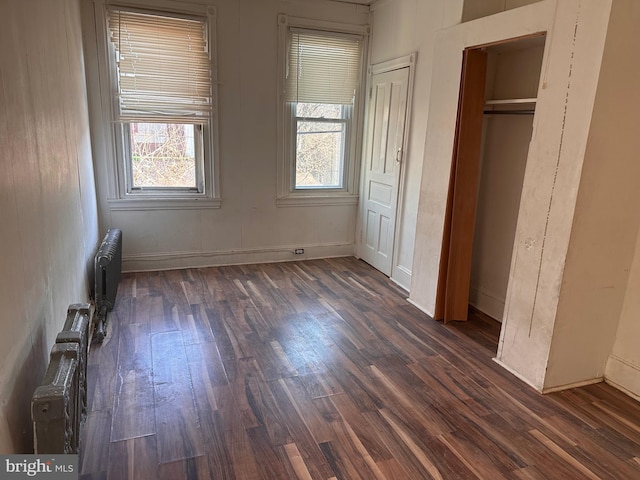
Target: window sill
316, 200
163, 203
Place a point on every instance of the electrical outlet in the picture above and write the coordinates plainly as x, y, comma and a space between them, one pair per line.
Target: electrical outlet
299, 251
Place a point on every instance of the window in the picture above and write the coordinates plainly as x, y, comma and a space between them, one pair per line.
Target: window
163, 97
163, 155
321, 75
321, 130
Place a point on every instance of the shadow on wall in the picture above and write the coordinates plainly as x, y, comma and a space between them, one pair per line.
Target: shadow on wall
90, 269
29, 376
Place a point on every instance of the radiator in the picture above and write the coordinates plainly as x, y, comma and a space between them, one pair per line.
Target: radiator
59, 404
54, 406
76, 330
108, 263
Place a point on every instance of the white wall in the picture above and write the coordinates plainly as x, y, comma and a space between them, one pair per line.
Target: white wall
400, 27
47, 199
249, 227
623, 365
600, 265
506, 145
511, 74
482, 8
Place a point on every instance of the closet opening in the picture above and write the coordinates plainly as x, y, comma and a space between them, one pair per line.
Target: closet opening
496, 108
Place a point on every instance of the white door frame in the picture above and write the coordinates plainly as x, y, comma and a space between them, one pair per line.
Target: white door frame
382, 67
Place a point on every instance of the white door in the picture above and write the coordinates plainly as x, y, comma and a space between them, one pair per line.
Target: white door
382, 163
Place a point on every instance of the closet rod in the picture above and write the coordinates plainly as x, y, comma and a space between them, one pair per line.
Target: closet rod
509, 112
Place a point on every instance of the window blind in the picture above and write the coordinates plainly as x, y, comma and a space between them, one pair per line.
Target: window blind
164, 70
322, 67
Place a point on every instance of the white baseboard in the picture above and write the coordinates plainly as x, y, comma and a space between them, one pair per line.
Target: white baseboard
179, 260
487, 303
402, 276
623, 375
516, 374
420, 307
543, 389
624, 390
567, 386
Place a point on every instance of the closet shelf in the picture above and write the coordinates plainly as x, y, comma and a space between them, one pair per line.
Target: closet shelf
511, 101
497, 107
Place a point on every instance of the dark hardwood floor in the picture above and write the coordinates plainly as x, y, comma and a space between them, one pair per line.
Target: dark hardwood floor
322, 370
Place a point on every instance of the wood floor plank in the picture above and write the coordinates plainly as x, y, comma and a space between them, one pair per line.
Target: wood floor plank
95, 442
134, 406
195, 288
124, 310
300, 432
497, 435
298, 339
101, 386
231, 329
477, 462
94, 476
493, 460
217, 443
352, 447
171, 284
195, 468
271, 464
343, 464
195, 327
446, 388
297, 462
319, 385
529, 473
208, 376
101, 367
255, 401
412, 459
564, 455
599, 439
318, 422
536, 453
133, 459
147, 308
321, 369
237, 443
602, 463
357, 424
403, 400
177, 424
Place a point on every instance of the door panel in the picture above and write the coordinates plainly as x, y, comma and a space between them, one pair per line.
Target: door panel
382, 165
452, 297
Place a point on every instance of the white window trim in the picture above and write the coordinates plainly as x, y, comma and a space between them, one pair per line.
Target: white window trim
118, 197
347, 195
